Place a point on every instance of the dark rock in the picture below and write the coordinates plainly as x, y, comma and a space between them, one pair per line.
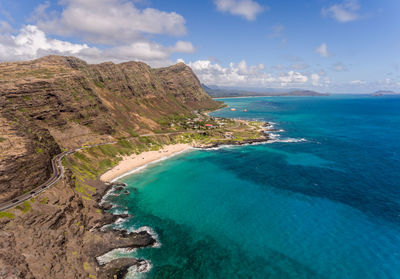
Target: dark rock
118, 184
123, 216
109, 218
106, 206
119, 268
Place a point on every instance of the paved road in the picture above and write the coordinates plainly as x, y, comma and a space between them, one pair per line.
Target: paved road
58, 172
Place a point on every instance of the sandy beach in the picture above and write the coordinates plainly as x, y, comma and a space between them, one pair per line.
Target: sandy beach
134, 161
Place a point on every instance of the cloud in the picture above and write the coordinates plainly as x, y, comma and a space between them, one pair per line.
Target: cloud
292, 78
107, 21
112, 30
184, 47
248, 9
5, 27
323, 50
339, 67
278, 67
392, 84
40, 12
277, 31
299, 66
343, 12
31, 43
357, 82
315, 79
318, 80
241, 74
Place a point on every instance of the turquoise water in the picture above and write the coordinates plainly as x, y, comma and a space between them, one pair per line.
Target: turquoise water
326, 207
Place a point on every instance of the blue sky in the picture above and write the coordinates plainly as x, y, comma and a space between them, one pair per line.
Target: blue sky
338, 46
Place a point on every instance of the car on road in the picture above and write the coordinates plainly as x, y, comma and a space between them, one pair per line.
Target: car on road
15, 201
33, 192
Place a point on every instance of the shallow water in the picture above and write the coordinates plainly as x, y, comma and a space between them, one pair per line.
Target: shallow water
327, 207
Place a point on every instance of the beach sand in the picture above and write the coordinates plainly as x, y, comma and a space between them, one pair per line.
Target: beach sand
134, 161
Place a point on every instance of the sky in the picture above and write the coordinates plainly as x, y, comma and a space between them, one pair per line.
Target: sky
335, 46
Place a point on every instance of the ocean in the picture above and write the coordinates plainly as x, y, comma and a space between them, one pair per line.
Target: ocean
321, 200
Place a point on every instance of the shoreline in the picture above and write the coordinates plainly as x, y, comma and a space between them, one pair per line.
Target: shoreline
107, 259
135, 162
130, 165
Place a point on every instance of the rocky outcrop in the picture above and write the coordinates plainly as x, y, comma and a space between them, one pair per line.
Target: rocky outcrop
60, 237
59, 102
119, 268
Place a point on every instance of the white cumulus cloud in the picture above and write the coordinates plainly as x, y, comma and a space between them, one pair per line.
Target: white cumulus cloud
30, 42
343, 12
107, 21
323, 50
241, 74
248, 9
112, 30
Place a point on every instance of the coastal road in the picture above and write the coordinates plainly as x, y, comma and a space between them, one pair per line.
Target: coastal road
58, 172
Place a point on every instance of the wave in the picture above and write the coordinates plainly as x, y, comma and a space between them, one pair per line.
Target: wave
286, 140
114, 254
120, 211
142, 266
109, 193
275, 139
135, 271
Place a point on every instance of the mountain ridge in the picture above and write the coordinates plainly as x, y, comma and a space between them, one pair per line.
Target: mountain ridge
384, 93
217, 92
58, 102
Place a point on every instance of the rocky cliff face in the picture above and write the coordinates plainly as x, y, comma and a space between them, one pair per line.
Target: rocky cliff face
58, 102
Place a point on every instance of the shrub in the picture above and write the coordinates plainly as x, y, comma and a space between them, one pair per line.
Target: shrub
6, 215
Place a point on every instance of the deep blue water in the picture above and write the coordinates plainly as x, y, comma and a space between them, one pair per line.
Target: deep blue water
327, 207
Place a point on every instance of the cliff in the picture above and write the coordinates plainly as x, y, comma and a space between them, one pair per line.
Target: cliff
56, 103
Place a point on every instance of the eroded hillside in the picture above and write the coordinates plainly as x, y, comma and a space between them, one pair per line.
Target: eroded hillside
56, 103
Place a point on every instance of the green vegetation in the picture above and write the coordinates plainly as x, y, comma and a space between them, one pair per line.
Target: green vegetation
132, 133
174, 118
89, 163
25, 207
41, 73
9, 215
45, 200
99, 84
2, 139
39, 150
